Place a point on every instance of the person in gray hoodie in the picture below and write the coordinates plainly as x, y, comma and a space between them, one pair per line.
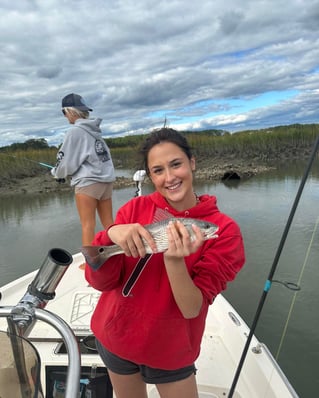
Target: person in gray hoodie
85, 157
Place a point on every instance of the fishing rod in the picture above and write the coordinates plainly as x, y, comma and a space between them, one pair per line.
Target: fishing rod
29, 160
49, 166
40, 163
269, 281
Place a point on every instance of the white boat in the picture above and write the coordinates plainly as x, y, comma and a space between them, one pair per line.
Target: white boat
223, 342
52, 307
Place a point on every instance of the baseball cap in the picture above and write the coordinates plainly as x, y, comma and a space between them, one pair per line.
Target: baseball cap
75, 101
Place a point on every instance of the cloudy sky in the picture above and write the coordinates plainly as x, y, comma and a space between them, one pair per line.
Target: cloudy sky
231, 65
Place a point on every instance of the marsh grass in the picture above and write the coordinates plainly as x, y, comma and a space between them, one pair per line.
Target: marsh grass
25, 163
264, 145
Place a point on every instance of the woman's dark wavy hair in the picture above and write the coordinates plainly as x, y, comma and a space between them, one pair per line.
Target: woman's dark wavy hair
163, 134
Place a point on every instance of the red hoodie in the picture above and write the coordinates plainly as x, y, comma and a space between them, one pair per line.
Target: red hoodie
147, 326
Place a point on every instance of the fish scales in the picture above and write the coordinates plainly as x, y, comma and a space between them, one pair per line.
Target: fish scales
97, 255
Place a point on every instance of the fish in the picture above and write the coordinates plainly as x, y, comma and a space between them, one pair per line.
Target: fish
95, 256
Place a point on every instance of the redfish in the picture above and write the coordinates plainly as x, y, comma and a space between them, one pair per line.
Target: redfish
97, 255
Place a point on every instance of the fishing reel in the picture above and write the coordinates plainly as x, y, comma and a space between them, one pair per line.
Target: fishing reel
60, 180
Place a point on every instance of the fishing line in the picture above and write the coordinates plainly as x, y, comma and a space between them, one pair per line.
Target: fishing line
295, 295
268, 283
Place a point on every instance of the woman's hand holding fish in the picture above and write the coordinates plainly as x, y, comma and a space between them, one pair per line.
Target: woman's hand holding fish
180, 243
187, 295
130, 238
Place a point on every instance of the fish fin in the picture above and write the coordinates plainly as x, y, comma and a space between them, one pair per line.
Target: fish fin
161, 214
93, 256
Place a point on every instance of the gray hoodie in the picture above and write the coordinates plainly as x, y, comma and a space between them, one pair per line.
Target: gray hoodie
84, 155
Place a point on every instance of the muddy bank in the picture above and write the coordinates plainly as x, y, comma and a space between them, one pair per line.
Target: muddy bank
225, 163
44, 183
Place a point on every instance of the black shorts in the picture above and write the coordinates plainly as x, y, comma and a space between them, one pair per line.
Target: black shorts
149, 375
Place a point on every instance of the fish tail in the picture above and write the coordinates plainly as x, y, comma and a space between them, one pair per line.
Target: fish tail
96, 256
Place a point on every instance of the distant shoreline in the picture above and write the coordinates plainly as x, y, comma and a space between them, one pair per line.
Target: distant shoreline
240, 156
43, 183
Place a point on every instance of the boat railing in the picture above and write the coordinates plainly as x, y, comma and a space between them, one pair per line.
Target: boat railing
278, 370
22, 317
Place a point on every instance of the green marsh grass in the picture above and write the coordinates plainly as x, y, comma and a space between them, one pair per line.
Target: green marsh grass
263, 145
24, 163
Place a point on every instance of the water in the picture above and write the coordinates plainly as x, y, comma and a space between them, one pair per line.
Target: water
32, 225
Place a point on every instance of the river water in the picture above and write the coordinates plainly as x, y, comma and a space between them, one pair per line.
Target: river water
289, 322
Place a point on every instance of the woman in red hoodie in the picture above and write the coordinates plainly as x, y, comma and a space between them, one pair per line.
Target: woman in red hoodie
151, 330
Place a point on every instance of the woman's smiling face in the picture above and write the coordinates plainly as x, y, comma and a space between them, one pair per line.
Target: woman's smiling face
171, 172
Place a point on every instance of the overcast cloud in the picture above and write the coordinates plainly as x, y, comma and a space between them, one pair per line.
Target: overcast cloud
230, 65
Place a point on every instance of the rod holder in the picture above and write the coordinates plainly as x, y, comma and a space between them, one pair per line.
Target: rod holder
50, 273
40, 291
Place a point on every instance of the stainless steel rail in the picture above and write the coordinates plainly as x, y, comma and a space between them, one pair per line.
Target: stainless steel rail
22, 317
74, 368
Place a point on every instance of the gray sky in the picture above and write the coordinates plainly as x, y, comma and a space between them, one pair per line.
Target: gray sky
230, 65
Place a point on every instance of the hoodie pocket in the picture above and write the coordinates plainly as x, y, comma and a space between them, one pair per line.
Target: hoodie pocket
144, 339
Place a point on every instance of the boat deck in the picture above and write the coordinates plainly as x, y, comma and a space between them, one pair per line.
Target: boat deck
222, 343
